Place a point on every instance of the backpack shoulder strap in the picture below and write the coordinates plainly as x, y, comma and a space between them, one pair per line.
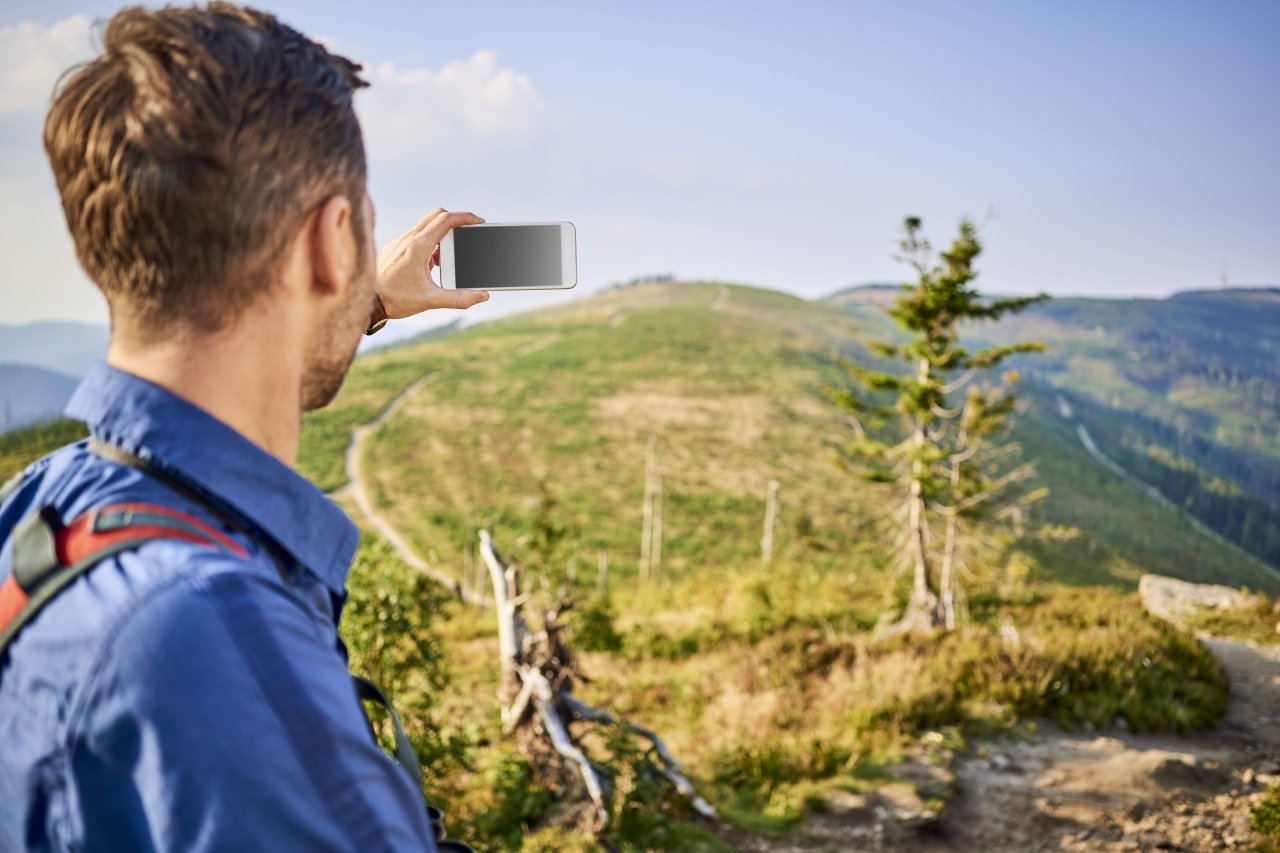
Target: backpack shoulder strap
11, 485
48, 555
405, 756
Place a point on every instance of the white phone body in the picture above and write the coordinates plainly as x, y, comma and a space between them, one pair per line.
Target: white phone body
510, 256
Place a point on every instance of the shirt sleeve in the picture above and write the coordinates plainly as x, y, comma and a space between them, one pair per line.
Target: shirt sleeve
219, 717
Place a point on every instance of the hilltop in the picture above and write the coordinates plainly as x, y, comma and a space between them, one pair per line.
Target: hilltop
731, 381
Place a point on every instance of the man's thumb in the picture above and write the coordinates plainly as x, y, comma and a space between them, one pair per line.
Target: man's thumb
467, 298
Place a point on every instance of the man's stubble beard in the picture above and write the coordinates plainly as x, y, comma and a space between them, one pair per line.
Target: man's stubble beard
331, 358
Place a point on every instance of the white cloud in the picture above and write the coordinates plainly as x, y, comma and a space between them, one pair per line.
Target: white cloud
33, 56
468, 109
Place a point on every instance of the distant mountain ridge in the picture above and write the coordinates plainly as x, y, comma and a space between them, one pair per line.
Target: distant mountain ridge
31, 394
66, 348
1264, 291
41, 364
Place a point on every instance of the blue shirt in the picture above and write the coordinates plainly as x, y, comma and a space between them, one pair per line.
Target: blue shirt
179, 697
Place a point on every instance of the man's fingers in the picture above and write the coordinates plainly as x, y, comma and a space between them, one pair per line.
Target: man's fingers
442, 224
425, 242
427, 220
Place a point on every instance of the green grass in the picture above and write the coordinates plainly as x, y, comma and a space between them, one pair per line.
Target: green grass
20, 447
784, 698
1255, 623
1265, 814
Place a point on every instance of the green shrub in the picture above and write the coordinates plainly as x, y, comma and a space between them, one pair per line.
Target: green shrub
592, 626
645, 812
512, 800
1255, 622
763, 767
1082, 657
389, 627
1265, 814
1099, 656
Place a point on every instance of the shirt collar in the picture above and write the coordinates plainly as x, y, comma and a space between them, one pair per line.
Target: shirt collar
162, 428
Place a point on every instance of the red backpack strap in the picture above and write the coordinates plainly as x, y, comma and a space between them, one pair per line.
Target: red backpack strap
47, 555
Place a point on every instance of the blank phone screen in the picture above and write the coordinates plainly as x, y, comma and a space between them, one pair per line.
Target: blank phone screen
498, 256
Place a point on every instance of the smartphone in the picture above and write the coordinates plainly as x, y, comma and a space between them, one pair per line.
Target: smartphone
510, 256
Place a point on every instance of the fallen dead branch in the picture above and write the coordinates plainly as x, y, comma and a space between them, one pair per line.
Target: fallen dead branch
537, 679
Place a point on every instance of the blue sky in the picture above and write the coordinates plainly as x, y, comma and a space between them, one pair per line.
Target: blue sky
1109, 148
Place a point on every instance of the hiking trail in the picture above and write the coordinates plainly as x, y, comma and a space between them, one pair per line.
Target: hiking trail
358, 490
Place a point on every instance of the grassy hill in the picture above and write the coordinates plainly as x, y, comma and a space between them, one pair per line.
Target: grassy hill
560, 405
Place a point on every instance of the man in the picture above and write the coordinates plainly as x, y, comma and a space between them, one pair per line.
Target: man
190, 692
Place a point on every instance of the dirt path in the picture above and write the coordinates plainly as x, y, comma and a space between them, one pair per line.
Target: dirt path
1087, 792
357, 490
1125, 792
721, 298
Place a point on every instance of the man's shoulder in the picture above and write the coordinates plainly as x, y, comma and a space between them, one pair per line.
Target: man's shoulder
160, 593
188, 597
74, 483
207, 636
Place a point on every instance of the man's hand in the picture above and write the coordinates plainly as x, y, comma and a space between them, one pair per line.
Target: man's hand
405, 286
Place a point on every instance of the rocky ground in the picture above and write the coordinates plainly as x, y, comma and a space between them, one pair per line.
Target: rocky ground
1125, 792
1082, 792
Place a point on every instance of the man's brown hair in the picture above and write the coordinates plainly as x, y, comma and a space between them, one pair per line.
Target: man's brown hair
191, 150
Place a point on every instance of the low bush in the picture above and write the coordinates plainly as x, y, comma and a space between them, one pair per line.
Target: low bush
814, 705
1265, 814
508, 799
390, 628
591, 623
1257, 623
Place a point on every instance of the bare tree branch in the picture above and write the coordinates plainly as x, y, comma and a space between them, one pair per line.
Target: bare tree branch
537, 673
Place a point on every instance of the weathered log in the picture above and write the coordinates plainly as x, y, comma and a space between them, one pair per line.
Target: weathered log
537, 672
511, 628
544, 698
670, 768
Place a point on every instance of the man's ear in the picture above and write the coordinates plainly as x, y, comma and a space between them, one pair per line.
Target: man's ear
332, 245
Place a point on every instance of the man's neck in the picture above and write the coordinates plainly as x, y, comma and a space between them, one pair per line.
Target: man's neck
248, 380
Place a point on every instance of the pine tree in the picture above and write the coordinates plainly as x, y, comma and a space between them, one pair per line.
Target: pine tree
944, 457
